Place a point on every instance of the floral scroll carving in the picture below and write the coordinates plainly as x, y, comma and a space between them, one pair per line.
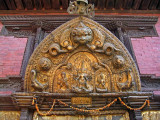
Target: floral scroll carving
81, 56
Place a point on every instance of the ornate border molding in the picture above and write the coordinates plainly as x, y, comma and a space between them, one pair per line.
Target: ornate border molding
23, 25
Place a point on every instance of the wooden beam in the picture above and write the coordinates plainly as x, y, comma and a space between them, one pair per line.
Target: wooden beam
128, 4
64, 12
19, 4
153, 5
158, 7
68, 95
47, 4
110, 4
55, 4
10, 4
13, 4
119, 4
38, 4
3, 5
65, 4
92, 2
95, 2
28, 4
28, 52
101, 4
136, 4
145, 4
39, 37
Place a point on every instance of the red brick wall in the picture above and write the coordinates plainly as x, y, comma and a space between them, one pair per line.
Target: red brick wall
11, 54
147, 51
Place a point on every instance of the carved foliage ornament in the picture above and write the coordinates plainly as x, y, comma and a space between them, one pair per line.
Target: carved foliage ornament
81, 56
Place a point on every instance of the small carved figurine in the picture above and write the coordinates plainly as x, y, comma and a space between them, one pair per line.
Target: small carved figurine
129, 82
101, 86
95, 66
36, 84
82, 86
45, 64
69, 66
63, 82
118, 61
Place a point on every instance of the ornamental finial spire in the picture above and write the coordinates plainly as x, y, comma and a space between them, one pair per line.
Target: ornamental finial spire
81, 7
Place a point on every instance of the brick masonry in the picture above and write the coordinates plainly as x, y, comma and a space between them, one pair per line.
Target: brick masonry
147, 51
11, 54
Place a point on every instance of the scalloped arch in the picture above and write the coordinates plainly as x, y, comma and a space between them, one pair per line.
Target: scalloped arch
52, 54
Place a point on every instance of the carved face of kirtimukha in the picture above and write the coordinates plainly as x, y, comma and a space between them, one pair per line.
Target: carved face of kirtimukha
82, 34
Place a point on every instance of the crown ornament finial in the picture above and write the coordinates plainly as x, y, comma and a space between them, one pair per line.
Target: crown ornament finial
81, 7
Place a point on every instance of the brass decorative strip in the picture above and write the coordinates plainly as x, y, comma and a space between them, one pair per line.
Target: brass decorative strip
81, 100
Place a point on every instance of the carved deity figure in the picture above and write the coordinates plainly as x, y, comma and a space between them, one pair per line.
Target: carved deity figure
101, 83
82, 81
63, 82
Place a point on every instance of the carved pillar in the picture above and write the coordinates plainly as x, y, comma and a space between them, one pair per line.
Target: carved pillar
39, 36
138, 115
24, 114
32, 43
128, 44
131, 114
120, 34
125, 39
28, 52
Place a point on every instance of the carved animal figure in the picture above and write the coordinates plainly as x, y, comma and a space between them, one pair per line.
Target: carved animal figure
35, 83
